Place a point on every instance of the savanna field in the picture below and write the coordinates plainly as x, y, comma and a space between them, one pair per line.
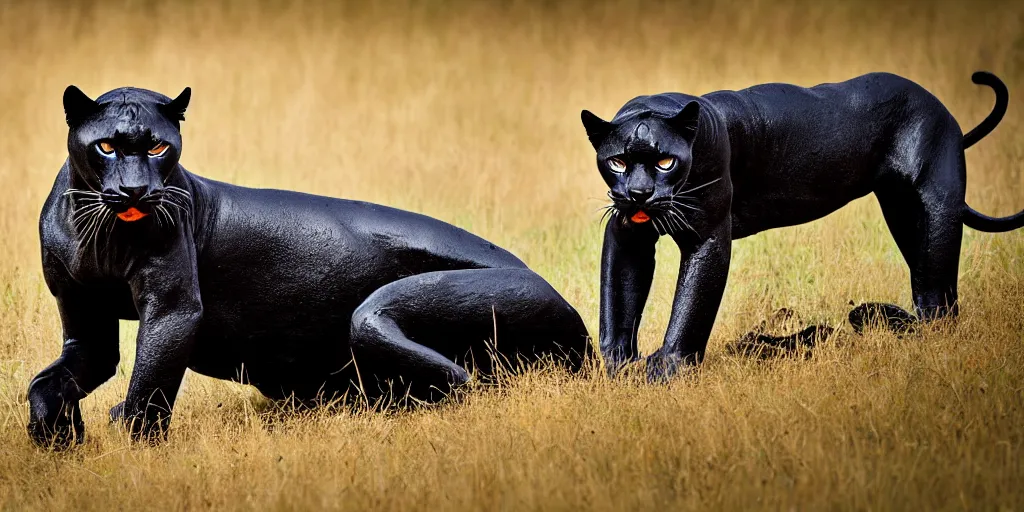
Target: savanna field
469, 112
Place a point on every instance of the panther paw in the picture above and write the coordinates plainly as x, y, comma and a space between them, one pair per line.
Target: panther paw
57, 428
614, 367
663, 366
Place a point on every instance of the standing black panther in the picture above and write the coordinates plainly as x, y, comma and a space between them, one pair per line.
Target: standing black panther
299, 295
708, 170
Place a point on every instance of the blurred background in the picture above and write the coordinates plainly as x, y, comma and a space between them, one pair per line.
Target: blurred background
469, 112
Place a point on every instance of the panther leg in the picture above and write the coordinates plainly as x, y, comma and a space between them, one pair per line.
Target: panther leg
89, 357
703, 271
923, 213
415, 335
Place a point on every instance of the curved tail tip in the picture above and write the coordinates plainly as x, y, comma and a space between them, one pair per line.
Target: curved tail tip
984, 78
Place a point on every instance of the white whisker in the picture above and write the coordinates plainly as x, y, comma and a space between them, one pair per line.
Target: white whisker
88, 220
690, 206
672, 221
161, 209
716, 180
682, 219
179, 191
106, 215
90, 227
71, 192
658, 228
85, 211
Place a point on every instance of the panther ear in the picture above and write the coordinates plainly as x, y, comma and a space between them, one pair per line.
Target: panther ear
175, 110
597, 128
78, 106
685, 122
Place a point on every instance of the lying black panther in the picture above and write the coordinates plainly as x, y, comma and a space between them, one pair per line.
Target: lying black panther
301, 296
711, 169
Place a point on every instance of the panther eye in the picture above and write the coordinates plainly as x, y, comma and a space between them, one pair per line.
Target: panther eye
159, 149
616, 165
666, 164
105, 147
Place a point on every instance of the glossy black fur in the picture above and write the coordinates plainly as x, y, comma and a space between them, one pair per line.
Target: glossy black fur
301, 296
770, 156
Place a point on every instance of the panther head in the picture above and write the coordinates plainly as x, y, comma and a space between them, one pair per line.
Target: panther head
644, 156
122, 148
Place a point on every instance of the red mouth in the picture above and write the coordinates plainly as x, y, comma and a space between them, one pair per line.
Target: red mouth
640, 217
131, 215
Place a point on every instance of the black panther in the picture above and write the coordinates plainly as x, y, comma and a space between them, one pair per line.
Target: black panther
302, 296
711, 169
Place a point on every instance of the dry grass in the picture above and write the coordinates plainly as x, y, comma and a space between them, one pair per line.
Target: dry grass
469, 113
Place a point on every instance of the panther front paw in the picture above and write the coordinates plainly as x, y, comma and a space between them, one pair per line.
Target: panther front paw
662, 366
615, 366
55, 426
149, 428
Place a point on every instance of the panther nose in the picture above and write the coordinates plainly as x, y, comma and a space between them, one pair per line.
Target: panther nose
134, 193
641, 195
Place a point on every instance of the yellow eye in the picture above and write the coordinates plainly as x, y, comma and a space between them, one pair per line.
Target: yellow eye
159, 149
105, 148
666, 164
616, 165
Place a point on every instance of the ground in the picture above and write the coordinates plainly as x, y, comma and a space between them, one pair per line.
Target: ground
470, 113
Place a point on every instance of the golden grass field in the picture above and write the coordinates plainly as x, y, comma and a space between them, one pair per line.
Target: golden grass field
470, 112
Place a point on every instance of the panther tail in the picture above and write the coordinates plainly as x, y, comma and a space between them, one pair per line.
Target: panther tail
990, 122
981, 222
972, 218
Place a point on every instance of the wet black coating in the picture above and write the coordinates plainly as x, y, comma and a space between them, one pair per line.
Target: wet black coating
302, 296
769, 156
